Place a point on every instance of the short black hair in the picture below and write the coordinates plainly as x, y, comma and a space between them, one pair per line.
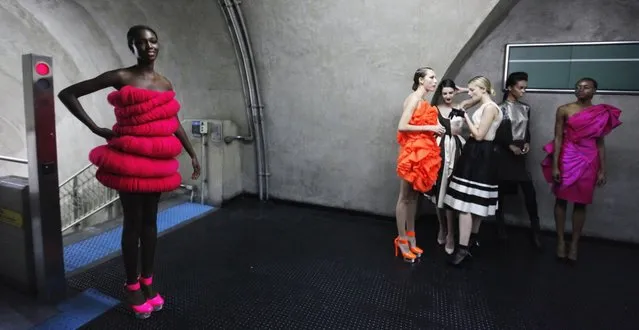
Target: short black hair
133, 32
516, 77
513, 79
593, 81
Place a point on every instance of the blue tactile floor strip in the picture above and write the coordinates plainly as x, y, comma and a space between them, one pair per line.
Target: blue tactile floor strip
79, 310
85, 252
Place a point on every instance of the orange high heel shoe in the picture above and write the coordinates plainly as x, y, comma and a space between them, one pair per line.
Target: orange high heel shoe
408, 256
413, 247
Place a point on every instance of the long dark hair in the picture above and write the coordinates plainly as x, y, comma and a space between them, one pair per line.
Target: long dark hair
512, 80
420, 73
438, 92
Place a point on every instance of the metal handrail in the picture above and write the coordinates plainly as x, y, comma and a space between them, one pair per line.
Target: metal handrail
24, 161
115, 199
77, 214
14, 160
76, 174
80, 214
61, 185
77, 221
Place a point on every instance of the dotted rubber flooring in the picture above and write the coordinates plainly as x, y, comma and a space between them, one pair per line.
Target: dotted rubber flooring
253, 265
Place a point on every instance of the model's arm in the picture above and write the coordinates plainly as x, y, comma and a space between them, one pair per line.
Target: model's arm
181, 134
526, 146
559, 139
487, 118
184, 139
404, 126
70, 95
601, 147
527, 138
186, 143
467, 103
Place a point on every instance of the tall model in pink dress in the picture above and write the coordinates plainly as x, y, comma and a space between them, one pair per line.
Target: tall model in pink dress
576, 162
579, 156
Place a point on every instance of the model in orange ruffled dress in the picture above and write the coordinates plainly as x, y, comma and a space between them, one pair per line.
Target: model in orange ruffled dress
418, 161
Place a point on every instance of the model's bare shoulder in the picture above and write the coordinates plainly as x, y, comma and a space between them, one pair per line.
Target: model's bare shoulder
410, 101
165, 82
119, 77
565, 108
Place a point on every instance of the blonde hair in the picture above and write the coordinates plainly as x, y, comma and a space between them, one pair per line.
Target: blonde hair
483, 83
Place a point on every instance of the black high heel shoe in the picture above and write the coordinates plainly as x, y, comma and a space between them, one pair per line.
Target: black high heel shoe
461, 255
474, 244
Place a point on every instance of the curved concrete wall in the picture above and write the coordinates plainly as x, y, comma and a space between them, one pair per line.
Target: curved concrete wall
86, 38
333, 76
613, 214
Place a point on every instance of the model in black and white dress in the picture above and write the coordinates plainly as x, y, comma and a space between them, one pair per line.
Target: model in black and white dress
450, 145
473, 187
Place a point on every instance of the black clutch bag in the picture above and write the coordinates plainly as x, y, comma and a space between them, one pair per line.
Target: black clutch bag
456, 112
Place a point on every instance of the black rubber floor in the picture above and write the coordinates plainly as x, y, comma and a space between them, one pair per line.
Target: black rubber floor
266, 266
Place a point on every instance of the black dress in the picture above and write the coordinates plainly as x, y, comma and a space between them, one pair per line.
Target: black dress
514, 130
474, 185
450, 147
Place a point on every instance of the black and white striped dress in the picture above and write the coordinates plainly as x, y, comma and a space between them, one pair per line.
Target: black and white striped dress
473, 187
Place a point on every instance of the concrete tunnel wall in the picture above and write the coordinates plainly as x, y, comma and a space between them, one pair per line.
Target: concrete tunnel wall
320, 68
332, 82
86, 38
613, 212
333, 76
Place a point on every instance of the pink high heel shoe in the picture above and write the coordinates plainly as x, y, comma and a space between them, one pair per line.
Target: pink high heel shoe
136, 300
152, 298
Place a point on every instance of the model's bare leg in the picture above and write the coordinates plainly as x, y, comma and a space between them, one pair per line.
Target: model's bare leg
499, 216
476, 225
560, 226
411, 197
450, 234
474, 242
578, 221
410, 223
405, 214
465, 229
530, 198
442, 219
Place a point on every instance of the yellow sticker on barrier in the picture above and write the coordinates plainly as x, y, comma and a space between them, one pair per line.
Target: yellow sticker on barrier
11, 217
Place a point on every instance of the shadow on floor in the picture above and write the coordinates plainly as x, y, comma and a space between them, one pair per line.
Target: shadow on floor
19, 312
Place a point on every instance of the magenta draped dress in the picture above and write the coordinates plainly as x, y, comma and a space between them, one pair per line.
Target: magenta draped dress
579, 157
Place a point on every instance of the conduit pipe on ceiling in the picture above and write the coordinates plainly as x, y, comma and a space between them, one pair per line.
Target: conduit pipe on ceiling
254, 110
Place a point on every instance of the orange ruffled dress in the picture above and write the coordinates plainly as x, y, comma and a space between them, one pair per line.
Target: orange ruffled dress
419, 157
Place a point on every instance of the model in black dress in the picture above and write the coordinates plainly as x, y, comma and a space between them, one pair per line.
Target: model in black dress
513, 146
451, 143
